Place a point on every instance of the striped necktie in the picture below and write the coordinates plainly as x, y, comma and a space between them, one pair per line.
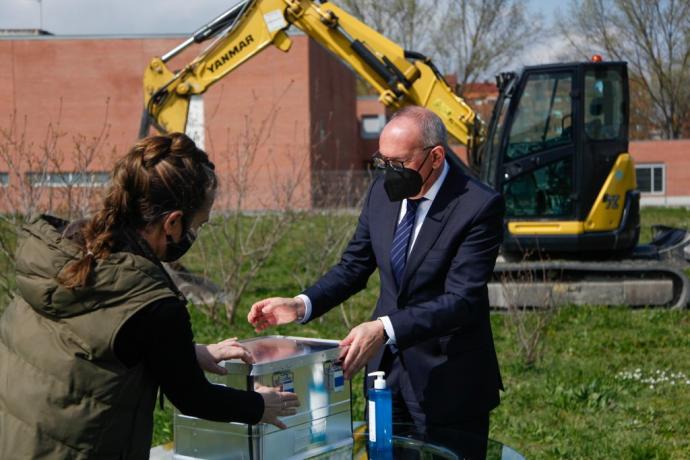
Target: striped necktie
401, 240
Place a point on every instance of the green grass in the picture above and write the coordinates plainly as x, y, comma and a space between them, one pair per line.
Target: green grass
672, 217
576, 402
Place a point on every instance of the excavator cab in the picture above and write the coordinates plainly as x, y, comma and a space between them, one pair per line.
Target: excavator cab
557, 150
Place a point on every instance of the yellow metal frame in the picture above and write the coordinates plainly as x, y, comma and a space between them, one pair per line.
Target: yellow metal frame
605, 215
330, 26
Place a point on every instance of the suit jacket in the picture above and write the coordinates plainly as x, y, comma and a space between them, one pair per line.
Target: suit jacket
440, 312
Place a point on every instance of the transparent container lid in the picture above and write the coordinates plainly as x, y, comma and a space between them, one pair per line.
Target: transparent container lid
270, 349
273, 353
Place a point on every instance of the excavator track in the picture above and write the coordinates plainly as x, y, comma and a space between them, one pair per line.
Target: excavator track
631, 282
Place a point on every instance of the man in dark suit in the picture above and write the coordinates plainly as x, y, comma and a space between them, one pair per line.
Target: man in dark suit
434, 233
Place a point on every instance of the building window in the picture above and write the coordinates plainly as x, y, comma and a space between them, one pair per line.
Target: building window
372, 125
651, 178
4, 179
73, 179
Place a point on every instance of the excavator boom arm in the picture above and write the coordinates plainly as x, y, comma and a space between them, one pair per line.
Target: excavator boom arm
400, 77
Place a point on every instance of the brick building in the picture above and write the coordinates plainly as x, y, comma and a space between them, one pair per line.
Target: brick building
663, 172
70, 106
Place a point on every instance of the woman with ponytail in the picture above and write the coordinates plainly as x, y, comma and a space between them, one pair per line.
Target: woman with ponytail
98, 327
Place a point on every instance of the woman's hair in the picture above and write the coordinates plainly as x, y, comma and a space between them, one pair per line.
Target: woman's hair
160, 174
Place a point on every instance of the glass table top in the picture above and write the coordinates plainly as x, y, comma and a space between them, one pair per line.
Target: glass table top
443, 444
409, 444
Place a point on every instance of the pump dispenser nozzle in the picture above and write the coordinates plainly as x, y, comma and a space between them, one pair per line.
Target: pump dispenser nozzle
380, 382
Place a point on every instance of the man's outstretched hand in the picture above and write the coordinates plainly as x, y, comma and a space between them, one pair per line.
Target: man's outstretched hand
360, 345
274, 312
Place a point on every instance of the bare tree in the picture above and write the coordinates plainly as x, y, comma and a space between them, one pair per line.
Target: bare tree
477, 38
528, 325
81, 188
38, 181
642, 124
241, 241
20, 196
334, 226
409, 23
471, 38
653, 36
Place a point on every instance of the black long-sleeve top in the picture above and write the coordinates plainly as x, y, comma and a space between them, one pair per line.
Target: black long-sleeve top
161, 335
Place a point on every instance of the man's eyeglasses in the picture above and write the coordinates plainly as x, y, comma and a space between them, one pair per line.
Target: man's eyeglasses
378, 161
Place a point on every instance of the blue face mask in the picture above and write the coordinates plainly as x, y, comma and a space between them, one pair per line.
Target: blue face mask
175, 250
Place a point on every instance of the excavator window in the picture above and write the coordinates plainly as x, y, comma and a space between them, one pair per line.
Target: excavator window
544, 192
542, 125
604, 104
544, 116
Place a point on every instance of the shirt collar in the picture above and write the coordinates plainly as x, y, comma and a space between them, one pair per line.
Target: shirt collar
433, 191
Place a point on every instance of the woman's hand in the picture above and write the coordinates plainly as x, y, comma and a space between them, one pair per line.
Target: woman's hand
277, 404
209, 356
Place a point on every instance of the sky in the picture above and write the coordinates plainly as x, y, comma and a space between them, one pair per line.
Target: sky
143, 17
110, 17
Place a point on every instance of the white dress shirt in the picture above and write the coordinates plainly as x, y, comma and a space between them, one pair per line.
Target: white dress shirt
420, 215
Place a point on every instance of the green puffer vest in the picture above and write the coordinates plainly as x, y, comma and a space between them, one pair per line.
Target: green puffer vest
63, 393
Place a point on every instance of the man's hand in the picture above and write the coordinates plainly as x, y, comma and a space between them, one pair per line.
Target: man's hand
274, 312
360, 345
209, 356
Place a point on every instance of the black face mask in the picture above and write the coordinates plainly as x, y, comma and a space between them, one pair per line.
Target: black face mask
405, 183
175, 250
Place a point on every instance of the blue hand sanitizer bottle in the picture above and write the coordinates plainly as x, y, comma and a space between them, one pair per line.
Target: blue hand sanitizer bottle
380, 419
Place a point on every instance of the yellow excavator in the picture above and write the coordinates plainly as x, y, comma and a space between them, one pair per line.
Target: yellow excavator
556, 147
